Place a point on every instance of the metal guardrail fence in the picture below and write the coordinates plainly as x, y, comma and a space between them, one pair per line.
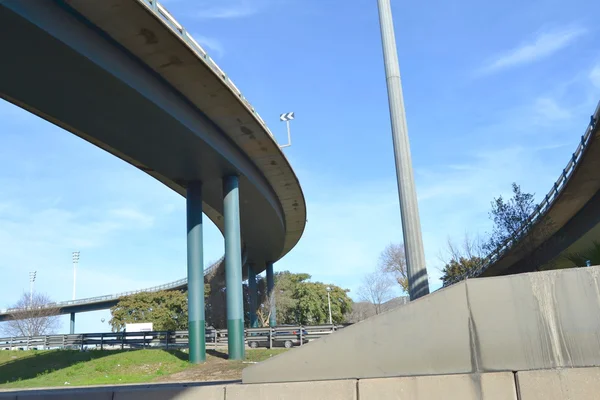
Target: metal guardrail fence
544, 206
90, 300
164, 16
165, 339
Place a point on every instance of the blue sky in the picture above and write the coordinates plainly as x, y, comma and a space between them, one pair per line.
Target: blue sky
495, 93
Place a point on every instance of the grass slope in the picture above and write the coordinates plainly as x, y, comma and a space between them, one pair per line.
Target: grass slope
30, 369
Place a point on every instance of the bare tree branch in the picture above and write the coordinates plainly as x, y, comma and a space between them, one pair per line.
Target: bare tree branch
376, 289
32, 316
392, 260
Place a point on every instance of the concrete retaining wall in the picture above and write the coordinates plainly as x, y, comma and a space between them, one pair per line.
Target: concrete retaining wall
574, 383
542, 320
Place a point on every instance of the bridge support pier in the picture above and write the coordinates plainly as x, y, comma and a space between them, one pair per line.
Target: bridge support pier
195, 272
271, 295
72, 328
253, 291
233, 268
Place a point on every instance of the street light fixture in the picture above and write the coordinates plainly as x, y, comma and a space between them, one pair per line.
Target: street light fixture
329, 304
75, 262
32, 276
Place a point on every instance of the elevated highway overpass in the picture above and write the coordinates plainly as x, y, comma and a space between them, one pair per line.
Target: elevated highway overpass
105, 302
125, 76
566, 221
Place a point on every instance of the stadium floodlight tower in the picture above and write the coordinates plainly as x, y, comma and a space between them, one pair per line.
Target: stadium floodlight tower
32, 276
418, 284
75, 262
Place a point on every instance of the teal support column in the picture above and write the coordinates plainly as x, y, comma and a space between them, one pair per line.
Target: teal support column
195, 272
271, 294
233, 268
72, 330
253, 291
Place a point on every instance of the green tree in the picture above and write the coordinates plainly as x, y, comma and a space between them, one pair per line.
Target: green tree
300, 301
167, 310
511, 218
458, 270
463, 260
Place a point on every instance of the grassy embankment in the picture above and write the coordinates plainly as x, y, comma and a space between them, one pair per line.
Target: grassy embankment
31, 369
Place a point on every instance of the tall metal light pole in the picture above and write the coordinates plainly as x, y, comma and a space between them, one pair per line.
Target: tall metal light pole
329, 304
32, 276
418, 284
75, 262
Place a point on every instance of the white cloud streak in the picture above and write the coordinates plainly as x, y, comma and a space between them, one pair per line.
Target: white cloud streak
548, 109
544, 45
210, 44
595, 76
230, 9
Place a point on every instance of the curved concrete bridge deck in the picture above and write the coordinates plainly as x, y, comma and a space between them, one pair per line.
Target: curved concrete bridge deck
566, 221
125, 76
119, 76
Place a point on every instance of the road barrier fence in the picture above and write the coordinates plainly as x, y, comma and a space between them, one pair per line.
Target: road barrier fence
266, 337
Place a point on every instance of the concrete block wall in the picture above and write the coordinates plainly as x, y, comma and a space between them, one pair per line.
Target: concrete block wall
536, 321
557, 384
560, 384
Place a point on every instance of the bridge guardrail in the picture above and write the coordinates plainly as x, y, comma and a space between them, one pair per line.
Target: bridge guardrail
166, 17
544, 205
156, 339
117, 296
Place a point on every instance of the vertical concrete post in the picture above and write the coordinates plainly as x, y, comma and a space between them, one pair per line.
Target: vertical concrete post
72, 329
418, 283
271, 294
233, 268
253, 291
195, 271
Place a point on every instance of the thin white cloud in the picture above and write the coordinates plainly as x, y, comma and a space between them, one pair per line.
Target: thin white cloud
230, 9
544, 45
548, 109
211, 45
131, 215
595, 76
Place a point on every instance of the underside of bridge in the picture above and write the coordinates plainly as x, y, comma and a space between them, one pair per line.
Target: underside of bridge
92, 69
571, 222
